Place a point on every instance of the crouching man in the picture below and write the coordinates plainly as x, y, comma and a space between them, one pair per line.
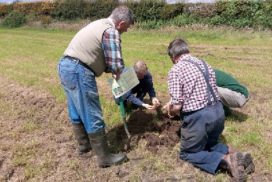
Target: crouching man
135, 97
231, 92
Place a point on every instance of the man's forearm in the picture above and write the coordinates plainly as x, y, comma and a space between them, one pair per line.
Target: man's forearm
133, 99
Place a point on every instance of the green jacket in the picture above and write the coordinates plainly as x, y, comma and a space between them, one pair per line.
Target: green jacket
227, 81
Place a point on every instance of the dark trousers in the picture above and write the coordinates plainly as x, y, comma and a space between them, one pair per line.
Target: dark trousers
200, 132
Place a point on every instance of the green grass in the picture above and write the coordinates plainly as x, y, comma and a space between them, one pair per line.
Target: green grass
30, 56
30, 126
34, 53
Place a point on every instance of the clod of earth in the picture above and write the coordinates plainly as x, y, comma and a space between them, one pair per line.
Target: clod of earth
164, 132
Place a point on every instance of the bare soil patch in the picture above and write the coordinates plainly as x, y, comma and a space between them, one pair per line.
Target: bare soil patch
37, 141
37, 144
142, 125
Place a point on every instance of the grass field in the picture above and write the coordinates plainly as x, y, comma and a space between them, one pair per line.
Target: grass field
36, 139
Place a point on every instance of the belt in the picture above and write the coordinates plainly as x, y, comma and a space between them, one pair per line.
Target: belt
79, 62
183, 114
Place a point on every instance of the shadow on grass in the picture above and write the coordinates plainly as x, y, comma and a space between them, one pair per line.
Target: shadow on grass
235, 115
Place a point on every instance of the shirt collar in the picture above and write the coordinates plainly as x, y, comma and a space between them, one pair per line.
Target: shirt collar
111, 21
183, 57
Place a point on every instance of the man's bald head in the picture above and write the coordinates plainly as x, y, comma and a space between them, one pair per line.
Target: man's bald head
140, 69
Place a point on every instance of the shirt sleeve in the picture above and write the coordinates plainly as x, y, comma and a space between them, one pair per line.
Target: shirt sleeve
129, 96
111, 44
151, 90
175, 88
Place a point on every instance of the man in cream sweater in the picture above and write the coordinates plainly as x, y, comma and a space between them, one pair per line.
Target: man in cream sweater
95, 49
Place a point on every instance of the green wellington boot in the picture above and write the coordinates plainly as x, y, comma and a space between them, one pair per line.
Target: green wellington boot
100, 146
81, 136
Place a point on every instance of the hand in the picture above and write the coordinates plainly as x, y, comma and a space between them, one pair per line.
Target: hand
166, 109
116, 76
149, 107
155, 102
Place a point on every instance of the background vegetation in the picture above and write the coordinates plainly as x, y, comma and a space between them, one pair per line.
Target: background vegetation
152, 13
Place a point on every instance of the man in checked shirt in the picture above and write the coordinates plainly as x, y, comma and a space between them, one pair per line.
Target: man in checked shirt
193, 92
95, 49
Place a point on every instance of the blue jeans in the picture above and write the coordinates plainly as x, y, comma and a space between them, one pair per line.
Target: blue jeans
200, 133
81, 91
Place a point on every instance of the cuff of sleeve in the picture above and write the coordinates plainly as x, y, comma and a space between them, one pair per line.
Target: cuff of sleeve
175, 101
140, 103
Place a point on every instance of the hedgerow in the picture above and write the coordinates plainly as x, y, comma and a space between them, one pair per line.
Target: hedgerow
154, 13
14, 19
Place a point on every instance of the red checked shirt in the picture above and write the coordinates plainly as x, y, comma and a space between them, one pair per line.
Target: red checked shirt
187, 85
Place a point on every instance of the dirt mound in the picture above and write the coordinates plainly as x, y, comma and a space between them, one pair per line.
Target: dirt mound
168, 135
146, 126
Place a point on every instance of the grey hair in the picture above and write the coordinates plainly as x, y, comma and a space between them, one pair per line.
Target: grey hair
177, 47
122, 13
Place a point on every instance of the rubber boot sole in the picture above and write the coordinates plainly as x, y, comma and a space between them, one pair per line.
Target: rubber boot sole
239, 160
248, 163
105, 165
84, 151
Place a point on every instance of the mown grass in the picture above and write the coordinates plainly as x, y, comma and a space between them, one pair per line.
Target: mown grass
30, 56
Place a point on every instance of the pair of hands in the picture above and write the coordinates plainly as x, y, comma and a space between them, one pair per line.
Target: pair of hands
155, 103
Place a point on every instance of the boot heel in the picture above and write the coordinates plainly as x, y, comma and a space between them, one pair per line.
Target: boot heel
248, 163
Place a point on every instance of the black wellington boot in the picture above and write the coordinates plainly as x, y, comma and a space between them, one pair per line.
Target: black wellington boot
81, 136
100, 146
